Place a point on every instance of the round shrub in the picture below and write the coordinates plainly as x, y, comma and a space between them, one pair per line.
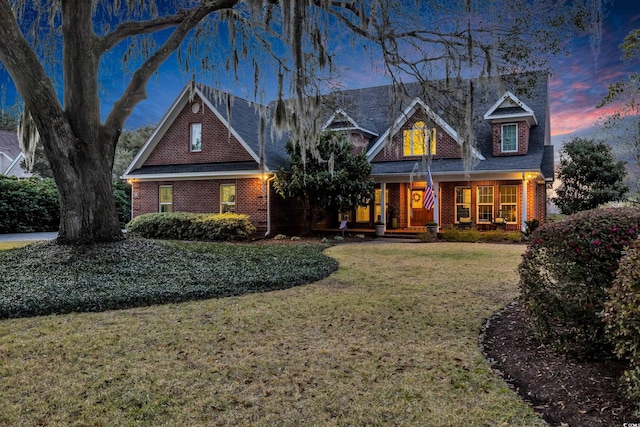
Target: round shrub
622, 317
566, 273
191, 226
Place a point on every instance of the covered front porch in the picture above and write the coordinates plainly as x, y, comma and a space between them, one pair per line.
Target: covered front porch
482, 202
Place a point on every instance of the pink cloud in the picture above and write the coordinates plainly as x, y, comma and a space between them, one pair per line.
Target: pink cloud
567, 121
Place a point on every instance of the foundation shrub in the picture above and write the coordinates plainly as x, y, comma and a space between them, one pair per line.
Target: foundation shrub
622, 317
566, 273
452, 234
191, 226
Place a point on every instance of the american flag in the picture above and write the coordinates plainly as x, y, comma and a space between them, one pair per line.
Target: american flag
428, 199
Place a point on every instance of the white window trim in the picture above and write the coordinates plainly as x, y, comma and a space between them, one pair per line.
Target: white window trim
415, 128
160, 202
515, 204
456, 204
191, 137
223, 204
478, 204
502, 138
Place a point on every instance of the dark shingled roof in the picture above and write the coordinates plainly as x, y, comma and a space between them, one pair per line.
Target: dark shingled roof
9, 144
376, 108
508, 110
245, 119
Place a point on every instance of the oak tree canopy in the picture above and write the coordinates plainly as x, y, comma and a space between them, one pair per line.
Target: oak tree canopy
57, 51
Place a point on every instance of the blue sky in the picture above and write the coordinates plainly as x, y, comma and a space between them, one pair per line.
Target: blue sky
578, 83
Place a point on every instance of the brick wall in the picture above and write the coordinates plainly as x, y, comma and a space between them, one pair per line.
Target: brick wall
446, 146
447, 201
202, 196
523, 139
217, 144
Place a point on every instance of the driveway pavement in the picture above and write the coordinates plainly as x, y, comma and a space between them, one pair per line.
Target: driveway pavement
13, 237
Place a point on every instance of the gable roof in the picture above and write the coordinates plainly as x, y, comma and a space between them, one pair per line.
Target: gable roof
242, 119
378, 112
379, 107
406, 115
340, 121
510, 107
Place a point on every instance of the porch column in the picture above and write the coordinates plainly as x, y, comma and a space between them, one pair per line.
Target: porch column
436, 203
383, 202
524, 202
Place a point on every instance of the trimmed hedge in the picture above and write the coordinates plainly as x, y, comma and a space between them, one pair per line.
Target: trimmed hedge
191, 226
622, 317
471, 235
566, 273
28, 204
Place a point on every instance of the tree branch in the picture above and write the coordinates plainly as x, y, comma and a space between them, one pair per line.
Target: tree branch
133, 28
27, 73
136, 90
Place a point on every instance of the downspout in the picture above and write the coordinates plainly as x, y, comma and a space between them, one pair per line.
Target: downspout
269, 206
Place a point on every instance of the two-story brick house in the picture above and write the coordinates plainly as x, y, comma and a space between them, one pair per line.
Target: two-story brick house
206, 156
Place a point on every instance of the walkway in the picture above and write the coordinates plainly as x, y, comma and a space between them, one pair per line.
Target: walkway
15, 237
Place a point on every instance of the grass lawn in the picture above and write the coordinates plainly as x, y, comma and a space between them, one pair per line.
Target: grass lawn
391, 338
10, 245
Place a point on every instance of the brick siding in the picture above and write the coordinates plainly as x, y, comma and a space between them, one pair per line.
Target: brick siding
446, 146
523, 139
218, 145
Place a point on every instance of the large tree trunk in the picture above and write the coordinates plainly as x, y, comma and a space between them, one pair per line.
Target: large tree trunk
88, 211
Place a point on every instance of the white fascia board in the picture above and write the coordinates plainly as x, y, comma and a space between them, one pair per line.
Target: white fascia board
168, 119
504, 118
370, 132
402, 119
228, 126
15, 163
194, 175
516, 100
452, 176
339, 112
159, 131
354, 124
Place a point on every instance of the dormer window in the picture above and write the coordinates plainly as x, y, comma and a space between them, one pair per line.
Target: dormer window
510, 138
196, 137
415, 140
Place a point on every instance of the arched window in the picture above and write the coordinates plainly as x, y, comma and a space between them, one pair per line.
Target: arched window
415, 140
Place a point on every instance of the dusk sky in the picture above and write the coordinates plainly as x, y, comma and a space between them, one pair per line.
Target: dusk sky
578, 83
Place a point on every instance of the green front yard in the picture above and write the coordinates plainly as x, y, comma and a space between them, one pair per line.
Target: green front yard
391, 338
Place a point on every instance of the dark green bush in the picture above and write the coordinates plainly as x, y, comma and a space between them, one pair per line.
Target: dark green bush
191, 226
122, 195
453, 234
566, 273
31, 204
28, 204
45, 278
622, 317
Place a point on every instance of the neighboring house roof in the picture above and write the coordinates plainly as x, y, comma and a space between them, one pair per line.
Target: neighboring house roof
9, 144
378, 112
11, 156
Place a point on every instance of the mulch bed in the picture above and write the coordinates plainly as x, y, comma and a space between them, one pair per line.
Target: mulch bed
565, 391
